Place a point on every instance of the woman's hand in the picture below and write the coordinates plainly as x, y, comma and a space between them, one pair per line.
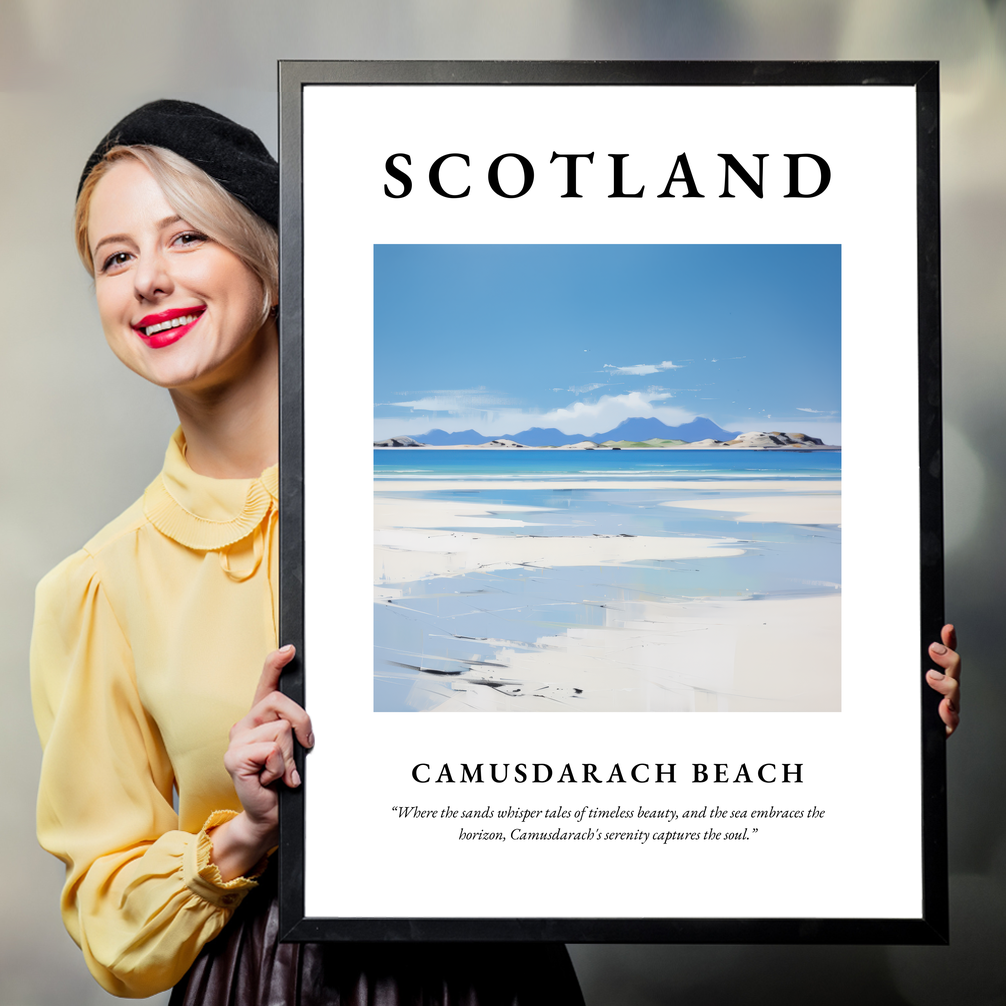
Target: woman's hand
947, 682
260, 754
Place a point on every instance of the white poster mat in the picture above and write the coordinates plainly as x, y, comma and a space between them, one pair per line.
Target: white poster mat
860, 766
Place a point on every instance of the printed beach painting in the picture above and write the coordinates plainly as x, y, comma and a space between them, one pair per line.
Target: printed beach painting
607, 478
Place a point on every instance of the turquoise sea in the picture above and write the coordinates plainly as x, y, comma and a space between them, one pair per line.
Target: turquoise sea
527, 464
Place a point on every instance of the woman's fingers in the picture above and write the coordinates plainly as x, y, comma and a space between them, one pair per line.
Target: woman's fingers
949, 636
271, 671
949, 712
949, 660
258, 761
945, 655
947, 686
274, 766
270, 703
263, 740
261, 749
277, 706
947, 680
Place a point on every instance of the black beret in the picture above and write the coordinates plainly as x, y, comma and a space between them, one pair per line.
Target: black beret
231, 154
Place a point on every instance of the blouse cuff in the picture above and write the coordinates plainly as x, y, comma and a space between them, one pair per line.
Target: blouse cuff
202, 876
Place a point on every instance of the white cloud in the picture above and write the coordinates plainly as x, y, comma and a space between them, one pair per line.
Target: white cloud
464, 400
584, 389
578, 417
818, 411
641, 369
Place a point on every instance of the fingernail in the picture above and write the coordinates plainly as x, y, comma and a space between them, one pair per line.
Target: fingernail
287, 649
310, 740
295, 777
938, 648
936, 675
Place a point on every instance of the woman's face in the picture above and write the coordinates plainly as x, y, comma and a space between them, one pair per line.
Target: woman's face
177, 308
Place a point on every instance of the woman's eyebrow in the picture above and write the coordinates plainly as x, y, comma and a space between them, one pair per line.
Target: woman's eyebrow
109, 240
160, 225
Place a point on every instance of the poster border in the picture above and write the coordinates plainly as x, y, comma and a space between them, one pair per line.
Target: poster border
933, 925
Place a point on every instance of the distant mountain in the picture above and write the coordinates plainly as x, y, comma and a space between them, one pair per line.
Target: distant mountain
537, 437
440, 438
637, 429
646, 429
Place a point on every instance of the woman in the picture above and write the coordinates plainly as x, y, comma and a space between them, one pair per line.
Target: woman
148, 643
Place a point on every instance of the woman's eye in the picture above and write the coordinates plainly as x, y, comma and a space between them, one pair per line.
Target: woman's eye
114, 261
190, 238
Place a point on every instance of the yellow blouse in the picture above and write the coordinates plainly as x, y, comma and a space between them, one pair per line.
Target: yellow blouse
147, 647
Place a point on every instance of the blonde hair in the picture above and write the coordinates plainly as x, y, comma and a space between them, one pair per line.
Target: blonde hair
199, 200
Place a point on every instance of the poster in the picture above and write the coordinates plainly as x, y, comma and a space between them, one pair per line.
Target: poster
601, 384
534, 568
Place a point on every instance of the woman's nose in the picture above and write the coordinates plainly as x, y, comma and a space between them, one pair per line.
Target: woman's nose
152, 277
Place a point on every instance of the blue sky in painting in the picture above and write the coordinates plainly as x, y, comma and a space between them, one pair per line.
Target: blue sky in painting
499, 338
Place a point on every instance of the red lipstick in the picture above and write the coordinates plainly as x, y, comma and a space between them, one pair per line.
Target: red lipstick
166, 327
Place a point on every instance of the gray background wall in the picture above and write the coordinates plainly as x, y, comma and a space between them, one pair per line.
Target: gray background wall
82, 437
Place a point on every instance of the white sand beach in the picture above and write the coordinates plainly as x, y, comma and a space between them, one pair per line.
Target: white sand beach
706, 655
791, 508
402, 554
410, 545
392, 512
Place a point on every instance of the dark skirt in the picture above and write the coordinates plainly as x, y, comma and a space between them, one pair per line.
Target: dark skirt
246, 965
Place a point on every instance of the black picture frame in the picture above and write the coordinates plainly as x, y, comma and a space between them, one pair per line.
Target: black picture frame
931, 927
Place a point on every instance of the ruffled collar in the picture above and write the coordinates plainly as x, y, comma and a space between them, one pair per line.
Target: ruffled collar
203, 513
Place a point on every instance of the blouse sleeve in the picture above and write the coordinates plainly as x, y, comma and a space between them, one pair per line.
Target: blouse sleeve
141, 898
